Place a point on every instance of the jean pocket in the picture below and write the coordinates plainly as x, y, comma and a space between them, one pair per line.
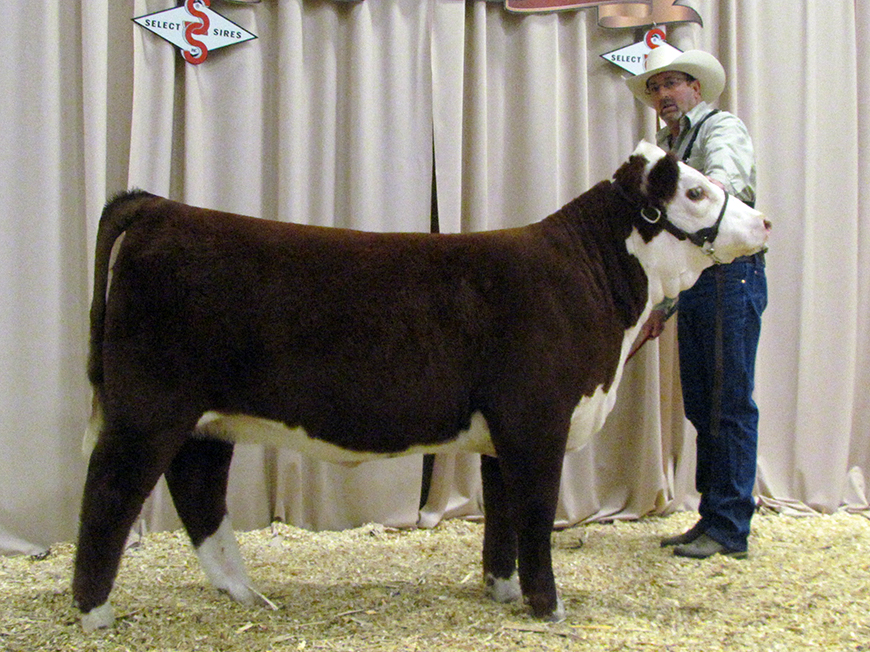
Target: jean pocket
756, 285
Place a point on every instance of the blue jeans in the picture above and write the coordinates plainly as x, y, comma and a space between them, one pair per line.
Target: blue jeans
726, 463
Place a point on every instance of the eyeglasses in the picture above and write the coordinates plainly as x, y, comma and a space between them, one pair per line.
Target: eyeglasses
670, 83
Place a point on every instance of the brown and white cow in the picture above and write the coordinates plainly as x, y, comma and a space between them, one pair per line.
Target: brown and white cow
216, 328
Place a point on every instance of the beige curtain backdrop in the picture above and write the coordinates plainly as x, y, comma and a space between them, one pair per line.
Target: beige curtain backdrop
334, 115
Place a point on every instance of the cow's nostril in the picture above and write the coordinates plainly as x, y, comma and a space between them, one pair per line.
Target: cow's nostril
768, 225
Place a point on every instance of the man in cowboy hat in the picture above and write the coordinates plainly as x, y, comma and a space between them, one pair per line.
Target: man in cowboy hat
719, 318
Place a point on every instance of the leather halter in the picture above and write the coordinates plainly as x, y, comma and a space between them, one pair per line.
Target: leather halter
702, 238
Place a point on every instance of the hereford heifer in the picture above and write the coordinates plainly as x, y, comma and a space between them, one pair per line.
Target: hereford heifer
217, 328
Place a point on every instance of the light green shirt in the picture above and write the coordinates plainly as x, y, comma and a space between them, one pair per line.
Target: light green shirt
723, 149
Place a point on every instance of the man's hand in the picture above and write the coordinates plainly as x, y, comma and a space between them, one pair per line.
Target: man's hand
651, 329
654, 325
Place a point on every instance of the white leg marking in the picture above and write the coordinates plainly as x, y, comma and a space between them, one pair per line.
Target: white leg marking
558, 614
98, 617
503, 590
222, 562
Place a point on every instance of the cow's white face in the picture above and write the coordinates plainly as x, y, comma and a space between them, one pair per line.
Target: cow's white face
673, 265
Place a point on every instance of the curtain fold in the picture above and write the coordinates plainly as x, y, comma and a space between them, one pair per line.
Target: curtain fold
329, 124
44, 274
334, 115
814, 427
808, 177
539, 104
859, 453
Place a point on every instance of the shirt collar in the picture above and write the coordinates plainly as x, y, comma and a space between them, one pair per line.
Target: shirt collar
695, 115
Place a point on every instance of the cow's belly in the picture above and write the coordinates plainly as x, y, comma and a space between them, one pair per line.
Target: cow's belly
587, 419
248, 429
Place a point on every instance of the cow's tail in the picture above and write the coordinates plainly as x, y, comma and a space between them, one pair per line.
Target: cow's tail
118, 215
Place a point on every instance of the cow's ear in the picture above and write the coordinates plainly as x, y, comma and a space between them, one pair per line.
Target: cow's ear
630, 173
662, 180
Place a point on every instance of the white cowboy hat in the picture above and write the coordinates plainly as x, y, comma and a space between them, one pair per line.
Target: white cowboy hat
699, 64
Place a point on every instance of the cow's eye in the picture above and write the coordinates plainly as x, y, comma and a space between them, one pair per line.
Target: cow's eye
695, 193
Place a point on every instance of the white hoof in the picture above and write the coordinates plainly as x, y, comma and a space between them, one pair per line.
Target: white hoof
98, 618
222, 562
558, 614
240, 593
260, 600
502, 590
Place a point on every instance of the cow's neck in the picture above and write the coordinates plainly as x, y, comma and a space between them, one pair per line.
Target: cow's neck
597, 229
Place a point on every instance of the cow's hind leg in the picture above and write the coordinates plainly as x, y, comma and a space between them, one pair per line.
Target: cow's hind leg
499, 536
123, 469
197, 479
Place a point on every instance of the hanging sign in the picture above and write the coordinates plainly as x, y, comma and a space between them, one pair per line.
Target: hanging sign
195, 29
633, 57
616, 14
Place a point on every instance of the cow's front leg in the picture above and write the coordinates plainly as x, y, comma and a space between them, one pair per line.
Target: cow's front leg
531, 478
499, 536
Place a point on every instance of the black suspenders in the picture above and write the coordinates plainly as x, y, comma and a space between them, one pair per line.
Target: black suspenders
695, 131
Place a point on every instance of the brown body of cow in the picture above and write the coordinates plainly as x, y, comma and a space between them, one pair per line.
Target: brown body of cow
214, 328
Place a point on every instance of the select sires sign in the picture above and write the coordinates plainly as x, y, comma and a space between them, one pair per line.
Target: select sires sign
195, 29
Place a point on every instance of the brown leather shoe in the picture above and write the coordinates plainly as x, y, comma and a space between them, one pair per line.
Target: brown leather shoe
684, 538
705, 546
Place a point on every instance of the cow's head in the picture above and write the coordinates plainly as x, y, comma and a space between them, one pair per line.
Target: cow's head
683, 221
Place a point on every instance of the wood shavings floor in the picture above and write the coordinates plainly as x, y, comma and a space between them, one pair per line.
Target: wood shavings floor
806, 586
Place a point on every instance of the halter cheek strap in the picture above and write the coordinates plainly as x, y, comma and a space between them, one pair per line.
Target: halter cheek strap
702, 238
